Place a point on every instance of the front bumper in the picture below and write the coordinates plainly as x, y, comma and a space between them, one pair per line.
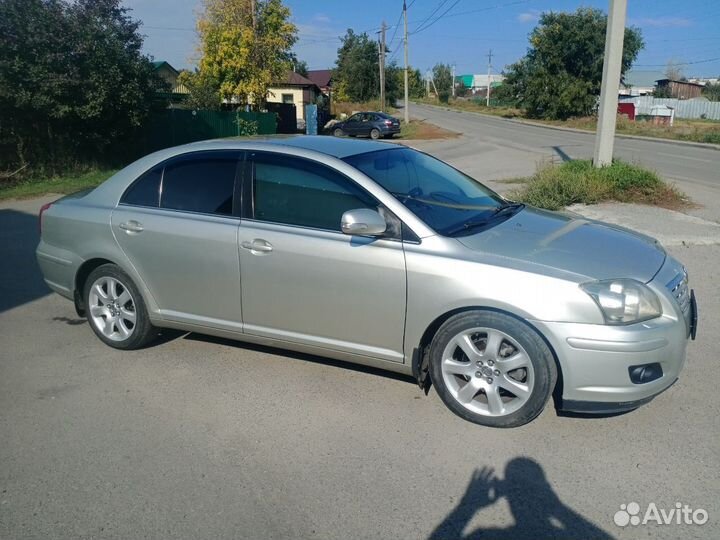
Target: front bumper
597, 360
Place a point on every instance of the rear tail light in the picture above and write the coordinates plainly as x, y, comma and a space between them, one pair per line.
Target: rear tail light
388, 122
40, 215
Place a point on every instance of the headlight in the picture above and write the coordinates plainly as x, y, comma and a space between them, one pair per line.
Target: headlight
624, 301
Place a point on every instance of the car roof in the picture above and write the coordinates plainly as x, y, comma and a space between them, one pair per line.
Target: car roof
332, 146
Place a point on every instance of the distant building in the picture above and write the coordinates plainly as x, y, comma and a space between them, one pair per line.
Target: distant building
294, 90
479, 83
680, 89
322, 78
170, 75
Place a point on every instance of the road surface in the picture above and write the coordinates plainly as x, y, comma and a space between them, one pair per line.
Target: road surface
196, 437
493, 148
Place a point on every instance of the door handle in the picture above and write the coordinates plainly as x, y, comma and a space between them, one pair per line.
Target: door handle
257, 246
131, 226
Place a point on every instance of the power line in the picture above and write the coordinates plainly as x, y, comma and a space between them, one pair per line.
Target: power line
436, 19
680, 63
437, 8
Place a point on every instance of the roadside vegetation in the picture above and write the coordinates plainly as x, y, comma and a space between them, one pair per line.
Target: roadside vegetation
554, 187
68, 183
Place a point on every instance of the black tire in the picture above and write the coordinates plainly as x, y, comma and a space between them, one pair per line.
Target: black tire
142, 332
375, 134
544, 370
338, 132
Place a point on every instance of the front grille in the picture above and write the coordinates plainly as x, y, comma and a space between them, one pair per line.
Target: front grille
679, 289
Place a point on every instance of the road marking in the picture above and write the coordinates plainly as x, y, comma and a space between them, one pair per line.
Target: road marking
685, 157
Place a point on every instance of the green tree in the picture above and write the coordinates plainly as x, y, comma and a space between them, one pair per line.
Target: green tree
74, 84
712, 91
442, 77
356, 76
204, 92
561, 73
301, 67
245, 52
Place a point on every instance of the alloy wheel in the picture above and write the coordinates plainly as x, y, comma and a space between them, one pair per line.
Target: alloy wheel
487, 372
112, 308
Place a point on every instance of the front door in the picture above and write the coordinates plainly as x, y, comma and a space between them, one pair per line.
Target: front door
305, 281
178, 227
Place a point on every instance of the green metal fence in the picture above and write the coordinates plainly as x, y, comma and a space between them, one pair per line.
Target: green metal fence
171, 127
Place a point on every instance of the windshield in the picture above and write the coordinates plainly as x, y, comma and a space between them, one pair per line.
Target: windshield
443, 197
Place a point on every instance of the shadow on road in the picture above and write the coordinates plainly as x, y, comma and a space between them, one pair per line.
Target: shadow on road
20, 278
560, 152
537, 510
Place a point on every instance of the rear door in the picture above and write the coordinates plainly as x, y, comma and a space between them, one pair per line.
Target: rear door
178, 225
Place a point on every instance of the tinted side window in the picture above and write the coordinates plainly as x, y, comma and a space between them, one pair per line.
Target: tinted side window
145, 191
294, 191
201, 184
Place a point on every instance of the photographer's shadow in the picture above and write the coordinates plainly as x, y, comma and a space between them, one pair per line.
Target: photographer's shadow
537, 510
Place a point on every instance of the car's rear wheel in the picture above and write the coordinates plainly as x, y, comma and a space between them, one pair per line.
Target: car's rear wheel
338, 132
115, 309
492, 369
375, 134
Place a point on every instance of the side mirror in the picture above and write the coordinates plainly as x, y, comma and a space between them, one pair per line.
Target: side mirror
363, 222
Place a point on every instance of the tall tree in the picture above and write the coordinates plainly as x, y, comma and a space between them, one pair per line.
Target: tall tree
73, 80
245, 51
442, 77
356, 76
561, 73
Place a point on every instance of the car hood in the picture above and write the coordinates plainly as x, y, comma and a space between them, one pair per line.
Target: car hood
571, 244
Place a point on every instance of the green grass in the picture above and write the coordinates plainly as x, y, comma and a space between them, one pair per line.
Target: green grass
69, 183
556, 186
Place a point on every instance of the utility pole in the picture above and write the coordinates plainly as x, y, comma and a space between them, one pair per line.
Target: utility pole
381, 63
612, 65
406, 109
487, 94
453, 80
254, 15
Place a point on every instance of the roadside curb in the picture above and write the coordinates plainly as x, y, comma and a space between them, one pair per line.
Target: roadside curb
707, 146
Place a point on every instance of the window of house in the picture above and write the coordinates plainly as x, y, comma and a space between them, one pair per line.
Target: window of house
295, 191
288, 98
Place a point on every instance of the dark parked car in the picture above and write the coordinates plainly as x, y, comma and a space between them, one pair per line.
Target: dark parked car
368, 124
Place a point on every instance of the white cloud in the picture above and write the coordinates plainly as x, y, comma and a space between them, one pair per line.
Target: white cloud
663, 22
321, 18
528, 16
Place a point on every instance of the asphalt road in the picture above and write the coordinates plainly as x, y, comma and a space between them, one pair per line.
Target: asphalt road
197, 437
494, 148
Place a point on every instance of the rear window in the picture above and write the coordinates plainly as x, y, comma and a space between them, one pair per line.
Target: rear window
205, 185
145, 191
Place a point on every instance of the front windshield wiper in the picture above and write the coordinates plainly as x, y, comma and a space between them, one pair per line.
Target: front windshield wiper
497, 212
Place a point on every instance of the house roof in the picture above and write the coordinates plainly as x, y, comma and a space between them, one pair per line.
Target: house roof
160, 63
679, 82
321, 77
295, 79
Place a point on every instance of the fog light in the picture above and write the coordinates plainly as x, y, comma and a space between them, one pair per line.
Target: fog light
645, 373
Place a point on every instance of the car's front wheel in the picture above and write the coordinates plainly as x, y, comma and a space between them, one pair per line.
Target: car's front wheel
338, 132
115, 309
492, 369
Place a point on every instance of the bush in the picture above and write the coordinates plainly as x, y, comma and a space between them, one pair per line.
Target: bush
554, 187
444, 96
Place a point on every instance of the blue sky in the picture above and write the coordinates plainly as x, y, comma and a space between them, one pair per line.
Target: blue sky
685, 31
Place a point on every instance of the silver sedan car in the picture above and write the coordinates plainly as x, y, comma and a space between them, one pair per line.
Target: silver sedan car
375, 253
